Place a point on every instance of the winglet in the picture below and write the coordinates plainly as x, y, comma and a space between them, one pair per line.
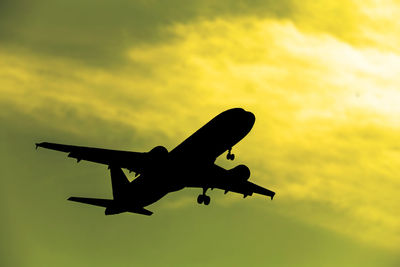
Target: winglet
37, 145
272, 196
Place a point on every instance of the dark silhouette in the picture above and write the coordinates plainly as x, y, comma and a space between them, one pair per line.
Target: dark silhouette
159, 172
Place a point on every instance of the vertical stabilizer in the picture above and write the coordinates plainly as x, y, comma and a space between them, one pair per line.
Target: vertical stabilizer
118, 181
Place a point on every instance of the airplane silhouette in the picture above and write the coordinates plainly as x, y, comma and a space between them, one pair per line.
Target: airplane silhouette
159, 172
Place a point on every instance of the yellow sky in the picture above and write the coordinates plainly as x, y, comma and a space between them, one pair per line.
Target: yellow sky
325, 93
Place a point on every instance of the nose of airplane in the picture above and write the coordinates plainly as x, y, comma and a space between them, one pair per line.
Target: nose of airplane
245, 117
250, 118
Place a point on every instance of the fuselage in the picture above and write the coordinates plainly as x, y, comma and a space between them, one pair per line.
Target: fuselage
198, 152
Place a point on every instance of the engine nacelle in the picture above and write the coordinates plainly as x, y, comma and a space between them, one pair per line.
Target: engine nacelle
240, 172
158, 153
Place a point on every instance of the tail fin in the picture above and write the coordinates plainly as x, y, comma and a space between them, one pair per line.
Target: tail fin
118, 180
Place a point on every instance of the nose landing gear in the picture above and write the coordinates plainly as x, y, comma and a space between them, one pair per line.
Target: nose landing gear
230, 156
203, 198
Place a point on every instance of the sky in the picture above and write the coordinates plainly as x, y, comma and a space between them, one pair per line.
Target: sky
321, 78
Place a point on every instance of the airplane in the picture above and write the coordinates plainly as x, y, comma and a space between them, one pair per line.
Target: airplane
159, 172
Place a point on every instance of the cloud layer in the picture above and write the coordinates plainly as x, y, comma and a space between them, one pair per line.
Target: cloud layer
322, 80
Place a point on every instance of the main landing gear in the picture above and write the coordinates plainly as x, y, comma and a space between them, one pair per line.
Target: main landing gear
203, 198
230, 156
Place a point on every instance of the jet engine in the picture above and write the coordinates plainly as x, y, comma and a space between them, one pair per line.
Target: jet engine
240, 172
158, 153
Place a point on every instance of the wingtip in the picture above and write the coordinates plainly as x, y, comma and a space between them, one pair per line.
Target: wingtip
38, 145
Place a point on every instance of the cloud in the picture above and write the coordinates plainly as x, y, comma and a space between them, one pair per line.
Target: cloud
97, 33
327, 109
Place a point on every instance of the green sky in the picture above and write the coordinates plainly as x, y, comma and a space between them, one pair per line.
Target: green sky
322, 79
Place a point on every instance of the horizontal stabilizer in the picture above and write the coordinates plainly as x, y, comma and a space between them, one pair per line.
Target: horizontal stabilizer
110, 206
117, 210
93, 201
141, 211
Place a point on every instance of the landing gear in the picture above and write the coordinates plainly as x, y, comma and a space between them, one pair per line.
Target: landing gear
200, 199
230, 156
203, 198
207, 200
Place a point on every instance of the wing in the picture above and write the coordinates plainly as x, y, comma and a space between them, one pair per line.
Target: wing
247, 189
221, 178
133, 161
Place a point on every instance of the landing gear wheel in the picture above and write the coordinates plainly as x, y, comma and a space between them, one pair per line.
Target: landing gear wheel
207, 200
200, 199
230, 156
